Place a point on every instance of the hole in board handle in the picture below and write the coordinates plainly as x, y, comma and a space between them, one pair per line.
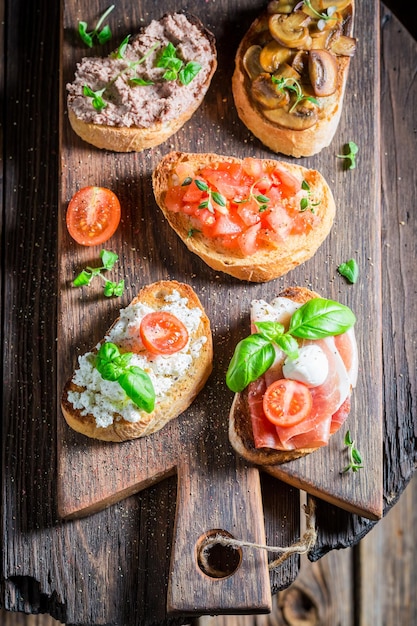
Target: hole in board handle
217, 560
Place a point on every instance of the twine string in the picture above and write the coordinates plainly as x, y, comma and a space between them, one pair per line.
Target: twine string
303, 546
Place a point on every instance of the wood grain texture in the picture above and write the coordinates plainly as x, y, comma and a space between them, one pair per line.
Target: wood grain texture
112, 567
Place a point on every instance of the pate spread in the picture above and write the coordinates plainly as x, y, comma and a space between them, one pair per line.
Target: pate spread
130, 105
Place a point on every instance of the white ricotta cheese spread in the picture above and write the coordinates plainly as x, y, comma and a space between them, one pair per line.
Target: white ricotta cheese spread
105, 399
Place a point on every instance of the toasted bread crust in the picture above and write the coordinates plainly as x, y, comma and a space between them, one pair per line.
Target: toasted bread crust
296, 143
135, 139
265, 264
178, 400
240, 427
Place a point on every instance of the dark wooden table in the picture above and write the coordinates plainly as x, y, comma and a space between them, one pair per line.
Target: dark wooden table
113, 568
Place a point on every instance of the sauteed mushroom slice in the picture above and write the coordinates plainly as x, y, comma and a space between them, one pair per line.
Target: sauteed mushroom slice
251, 61
339, 5
281, 6
272, 55
302, 117
291, 30
343, 46
323, 72
266, 94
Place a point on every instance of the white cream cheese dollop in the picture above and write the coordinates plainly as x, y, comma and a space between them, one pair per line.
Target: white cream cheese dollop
311, 367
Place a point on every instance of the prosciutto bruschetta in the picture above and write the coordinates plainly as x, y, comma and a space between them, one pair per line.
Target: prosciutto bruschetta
293, 377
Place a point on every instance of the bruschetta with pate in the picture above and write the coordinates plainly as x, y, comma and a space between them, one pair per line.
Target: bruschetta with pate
146, 371
254, 219
147, 89
292, 376
291, 70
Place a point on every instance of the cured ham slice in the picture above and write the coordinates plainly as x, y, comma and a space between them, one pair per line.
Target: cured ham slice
331, 402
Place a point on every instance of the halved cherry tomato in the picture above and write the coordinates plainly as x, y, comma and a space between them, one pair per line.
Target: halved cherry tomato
287, 402
93, 215
163, 333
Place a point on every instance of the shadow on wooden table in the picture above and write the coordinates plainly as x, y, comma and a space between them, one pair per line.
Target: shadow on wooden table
372, 583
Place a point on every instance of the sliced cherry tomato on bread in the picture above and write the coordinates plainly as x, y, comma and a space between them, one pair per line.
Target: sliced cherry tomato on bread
287, 402
93, 215
163, 333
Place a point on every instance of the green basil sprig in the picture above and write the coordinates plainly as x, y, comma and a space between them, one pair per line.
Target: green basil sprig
113, 365
316, 319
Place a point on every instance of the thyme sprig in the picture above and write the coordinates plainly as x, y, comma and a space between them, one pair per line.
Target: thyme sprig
355, 459
260, 199
305, 202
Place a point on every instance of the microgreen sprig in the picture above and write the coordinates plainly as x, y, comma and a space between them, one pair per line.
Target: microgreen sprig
355, 459
111, 288
305, 202
97, 101
351, 150
102, 35
115, 366
323, 17
212, 196
349, 270
316, 319
174, 66
260, 199
292, 84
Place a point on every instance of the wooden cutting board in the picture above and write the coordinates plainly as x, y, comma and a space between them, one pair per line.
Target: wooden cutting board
216, 490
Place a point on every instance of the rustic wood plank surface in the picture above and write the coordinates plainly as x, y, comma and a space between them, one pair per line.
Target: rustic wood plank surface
33, 579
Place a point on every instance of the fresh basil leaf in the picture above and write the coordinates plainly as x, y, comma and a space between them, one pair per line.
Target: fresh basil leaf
189, 72
252, 357
289, 345
348, 439
319, 318
119, 288
139, 388
270, 331
106, 361
356, 456
349, 270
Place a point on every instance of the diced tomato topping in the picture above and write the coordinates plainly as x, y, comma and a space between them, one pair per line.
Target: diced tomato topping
248, 240
289, 184
260, 210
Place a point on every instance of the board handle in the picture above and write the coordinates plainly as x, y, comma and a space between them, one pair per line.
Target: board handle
220, 579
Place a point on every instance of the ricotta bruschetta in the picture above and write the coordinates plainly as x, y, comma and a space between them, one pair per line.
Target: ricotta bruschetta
147, 89
291, 70
254, 219
148, 369
292, 377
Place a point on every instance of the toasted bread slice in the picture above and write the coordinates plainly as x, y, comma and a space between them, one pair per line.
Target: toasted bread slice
315, 70
139, 116
268, 262
240, 426
184, 386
